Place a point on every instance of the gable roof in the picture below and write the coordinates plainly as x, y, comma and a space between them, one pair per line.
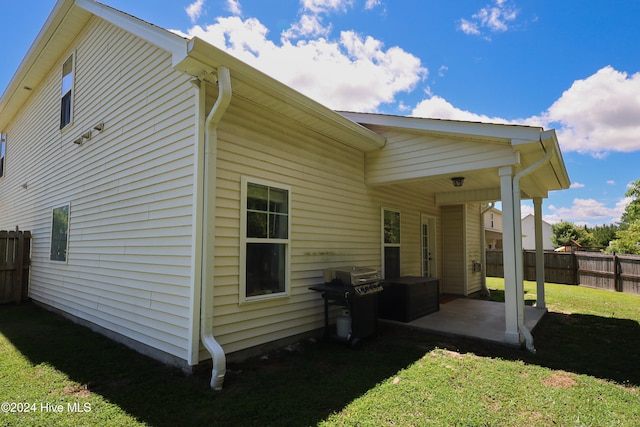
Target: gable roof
194, 57
476, 151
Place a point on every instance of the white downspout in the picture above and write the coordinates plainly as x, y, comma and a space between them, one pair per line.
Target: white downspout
483, 244
208, 229
518, 246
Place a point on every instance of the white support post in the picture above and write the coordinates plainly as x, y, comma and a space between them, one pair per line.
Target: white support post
512, 334
519, 255
537, 213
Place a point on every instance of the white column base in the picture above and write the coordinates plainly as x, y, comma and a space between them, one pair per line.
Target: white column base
512, 338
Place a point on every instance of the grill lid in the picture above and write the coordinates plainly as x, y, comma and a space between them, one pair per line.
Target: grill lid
354, 276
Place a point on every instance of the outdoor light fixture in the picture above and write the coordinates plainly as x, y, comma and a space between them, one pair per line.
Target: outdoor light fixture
457, 181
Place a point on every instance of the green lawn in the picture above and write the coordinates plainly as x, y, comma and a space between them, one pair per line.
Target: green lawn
585, 373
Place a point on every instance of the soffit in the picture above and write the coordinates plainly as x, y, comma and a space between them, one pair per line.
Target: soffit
251, 84
61, 28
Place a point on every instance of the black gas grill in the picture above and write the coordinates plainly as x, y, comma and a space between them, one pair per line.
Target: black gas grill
355, 289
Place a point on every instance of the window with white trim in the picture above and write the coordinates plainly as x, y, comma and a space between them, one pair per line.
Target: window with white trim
59, 233
265, 239
391, 243
66, 104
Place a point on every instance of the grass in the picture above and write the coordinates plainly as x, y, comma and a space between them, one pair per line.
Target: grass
584, 374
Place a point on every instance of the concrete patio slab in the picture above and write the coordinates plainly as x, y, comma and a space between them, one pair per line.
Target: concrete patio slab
473, 318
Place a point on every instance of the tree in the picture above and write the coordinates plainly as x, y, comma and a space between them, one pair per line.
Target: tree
627, 241
603, 234
566, 233
632, 211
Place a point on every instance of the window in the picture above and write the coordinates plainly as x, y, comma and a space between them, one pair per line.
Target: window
60, 233
391, 243
265, 241
3, 149
66, 107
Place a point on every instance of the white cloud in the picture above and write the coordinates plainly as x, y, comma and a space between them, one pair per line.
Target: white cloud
234, 7
599, 114
588, 211
495, 18
194, 10
595, 116
437, 107
611, 182
352, 73
308, 26
526, 210
324, 6
372, 4
577, 185
469, 27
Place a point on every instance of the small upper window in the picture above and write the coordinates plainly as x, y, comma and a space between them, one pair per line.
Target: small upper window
66, 107
3, 149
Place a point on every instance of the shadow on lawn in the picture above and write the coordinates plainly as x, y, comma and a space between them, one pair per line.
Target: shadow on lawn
301, 386
306, 384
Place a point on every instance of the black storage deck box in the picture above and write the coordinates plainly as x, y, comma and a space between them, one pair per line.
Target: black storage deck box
407, 298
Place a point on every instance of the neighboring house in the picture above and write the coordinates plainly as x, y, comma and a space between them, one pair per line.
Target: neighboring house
182, 202
493, 228
493, 231
528, 234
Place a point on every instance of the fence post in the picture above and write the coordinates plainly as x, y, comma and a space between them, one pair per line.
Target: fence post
617, 283
19, 263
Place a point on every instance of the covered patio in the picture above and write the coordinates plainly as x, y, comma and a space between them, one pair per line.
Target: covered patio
472, 318
463, 164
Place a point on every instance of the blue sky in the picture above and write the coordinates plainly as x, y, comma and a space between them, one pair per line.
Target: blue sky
561, 64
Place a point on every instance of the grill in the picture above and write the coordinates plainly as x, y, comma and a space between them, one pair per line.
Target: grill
361, 280
355, 289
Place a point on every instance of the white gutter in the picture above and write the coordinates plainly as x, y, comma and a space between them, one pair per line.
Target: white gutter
208, 229
518, 245
483, 244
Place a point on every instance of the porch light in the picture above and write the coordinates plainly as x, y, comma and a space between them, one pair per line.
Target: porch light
457, 181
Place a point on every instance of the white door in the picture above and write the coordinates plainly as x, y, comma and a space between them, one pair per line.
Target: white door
428, 243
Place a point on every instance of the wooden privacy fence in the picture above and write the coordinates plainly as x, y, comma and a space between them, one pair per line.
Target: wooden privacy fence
15, 253
594, 269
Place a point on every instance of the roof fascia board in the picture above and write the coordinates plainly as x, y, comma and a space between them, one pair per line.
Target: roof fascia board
549, 138
55, 18
164, 39
460, 128
211, 57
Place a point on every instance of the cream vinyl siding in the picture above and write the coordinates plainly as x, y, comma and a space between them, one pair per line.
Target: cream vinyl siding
409, 156
335, 220
454, 272
473, 245
129, 186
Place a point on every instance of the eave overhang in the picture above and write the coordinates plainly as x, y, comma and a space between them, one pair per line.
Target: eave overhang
255, 86
194, 57
426, 153
65, 22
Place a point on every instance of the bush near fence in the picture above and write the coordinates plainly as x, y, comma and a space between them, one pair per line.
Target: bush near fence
593, 269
